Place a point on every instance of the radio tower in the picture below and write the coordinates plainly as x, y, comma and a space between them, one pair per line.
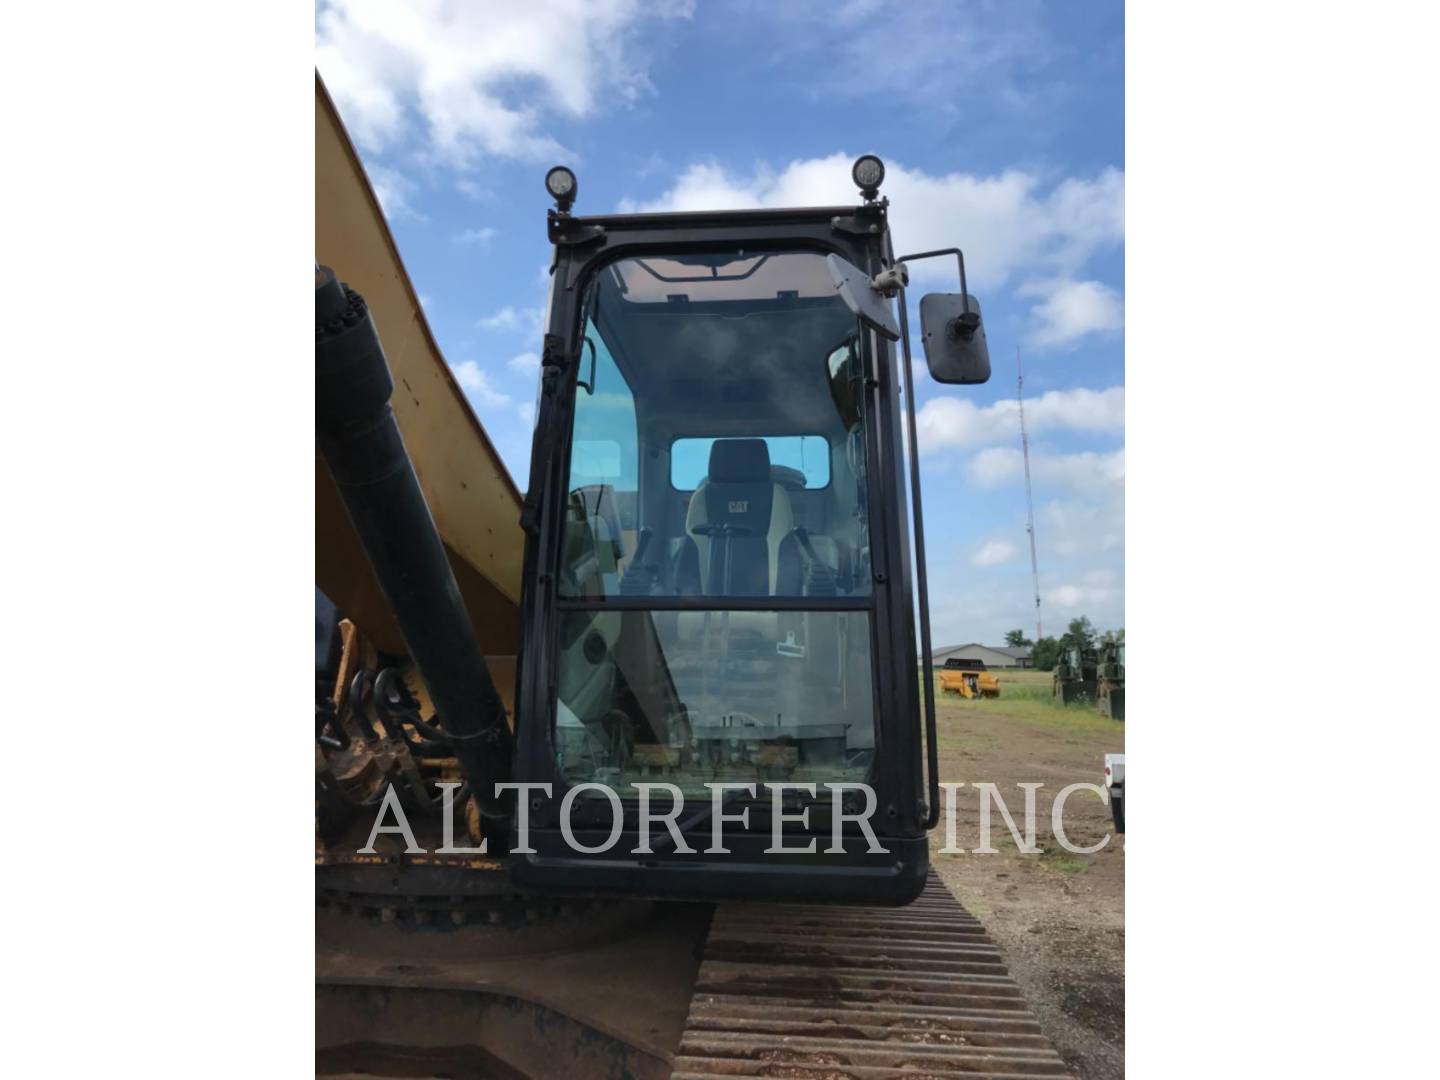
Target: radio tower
1029, 498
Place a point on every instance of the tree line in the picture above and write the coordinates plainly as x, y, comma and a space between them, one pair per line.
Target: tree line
1045, 653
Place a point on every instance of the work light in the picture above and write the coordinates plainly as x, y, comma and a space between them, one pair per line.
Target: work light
868, 173
560, 183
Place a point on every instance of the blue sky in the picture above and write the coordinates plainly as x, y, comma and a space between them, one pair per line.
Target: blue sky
1002, 128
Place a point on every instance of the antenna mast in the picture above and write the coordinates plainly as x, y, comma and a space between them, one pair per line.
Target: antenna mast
1029, 498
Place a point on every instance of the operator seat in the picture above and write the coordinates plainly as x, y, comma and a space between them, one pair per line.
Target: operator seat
738, 522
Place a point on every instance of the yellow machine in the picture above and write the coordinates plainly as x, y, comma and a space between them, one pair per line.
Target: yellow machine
433, 957
969, 679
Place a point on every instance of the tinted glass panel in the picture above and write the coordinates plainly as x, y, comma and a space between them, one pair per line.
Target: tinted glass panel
695, 697
795, 461
719, 449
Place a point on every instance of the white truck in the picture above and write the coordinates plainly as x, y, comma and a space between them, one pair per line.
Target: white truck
1115, 784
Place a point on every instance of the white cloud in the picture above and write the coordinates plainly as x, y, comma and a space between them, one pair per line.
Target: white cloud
514, 318
527, 363
994, 553
1101, 577
956, 421
947, 59
393, 190
996, 466
1081, 565
481, 236
1071, 598
1073, 309
1087, 471
527, 412
971, 605
473, 189
477, 82
1072, 528
476, 383
1007, 223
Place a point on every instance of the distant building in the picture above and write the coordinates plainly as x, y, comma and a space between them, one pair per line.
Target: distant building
994, 656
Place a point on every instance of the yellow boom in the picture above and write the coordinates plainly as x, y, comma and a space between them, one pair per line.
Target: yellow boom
471, 495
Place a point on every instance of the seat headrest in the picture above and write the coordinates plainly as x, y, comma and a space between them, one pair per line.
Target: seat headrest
739, 461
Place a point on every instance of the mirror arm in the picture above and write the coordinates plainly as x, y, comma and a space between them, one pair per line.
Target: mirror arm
932, 745
965, 325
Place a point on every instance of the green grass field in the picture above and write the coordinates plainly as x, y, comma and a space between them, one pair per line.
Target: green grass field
1026, 695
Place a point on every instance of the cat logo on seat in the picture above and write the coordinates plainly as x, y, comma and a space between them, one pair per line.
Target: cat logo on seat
739, 506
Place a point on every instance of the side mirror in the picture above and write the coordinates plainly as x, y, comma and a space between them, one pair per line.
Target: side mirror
954, 339
870, 305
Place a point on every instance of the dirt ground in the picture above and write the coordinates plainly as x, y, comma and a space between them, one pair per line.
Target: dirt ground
1059, 918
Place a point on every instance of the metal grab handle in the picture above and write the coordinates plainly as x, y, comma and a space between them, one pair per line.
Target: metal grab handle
932, 745
588, 387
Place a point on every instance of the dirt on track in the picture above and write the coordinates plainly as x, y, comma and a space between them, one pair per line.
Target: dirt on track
1059, 918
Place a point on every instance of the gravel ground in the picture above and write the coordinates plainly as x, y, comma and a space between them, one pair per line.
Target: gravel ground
1059, 918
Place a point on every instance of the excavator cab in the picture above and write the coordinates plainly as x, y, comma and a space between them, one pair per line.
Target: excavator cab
716, 692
